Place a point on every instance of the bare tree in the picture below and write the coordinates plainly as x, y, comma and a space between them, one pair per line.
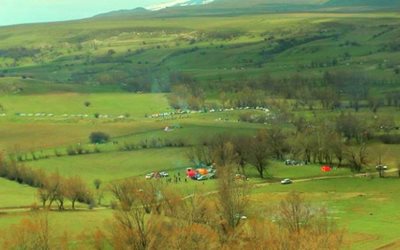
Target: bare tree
131, 230
276, 140
260, 152
77, 190
200, 154
305, 227
44, 196
358, 158
294, 213
56, 189
242, 150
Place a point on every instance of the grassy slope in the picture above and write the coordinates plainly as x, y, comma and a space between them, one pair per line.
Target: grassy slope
151, 48
119, 165
14, 195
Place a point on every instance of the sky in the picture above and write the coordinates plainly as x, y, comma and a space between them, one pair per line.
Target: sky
32, 11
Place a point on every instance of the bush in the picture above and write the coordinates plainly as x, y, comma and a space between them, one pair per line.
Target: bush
99, 137
389, 139
253, 118
96, 150
71, 151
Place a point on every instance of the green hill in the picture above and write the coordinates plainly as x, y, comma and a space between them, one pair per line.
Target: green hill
142, 52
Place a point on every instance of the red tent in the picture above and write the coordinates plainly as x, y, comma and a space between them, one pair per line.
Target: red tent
326, 168
190, 173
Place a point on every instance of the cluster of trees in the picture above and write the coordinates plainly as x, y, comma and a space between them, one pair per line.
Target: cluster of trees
254, 118
185, 92
52, 188
333, 90
56, 188
321, 143
362, 129
247, 97
243, 150
186, 97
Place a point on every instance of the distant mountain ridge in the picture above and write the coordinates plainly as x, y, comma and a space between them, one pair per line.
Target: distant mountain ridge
377, 3
178, 3
118, 13
229, 7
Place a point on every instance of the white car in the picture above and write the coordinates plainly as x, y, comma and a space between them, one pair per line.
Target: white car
164, 174
286, 181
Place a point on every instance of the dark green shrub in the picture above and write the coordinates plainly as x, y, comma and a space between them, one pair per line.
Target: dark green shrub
99, 137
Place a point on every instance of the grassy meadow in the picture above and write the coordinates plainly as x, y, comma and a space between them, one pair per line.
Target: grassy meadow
16, 195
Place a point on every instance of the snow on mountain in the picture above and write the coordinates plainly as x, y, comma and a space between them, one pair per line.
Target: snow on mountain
178, 3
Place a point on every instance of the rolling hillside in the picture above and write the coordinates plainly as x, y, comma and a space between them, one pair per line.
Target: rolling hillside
140, 50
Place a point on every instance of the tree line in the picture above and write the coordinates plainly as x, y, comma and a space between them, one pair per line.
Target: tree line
334, 89
52, 188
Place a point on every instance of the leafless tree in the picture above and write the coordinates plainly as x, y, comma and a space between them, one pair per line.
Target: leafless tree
260, 152
294, 213
358, 157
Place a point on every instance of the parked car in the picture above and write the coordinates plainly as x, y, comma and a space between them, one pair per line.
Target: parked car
164, 174
286, 181
294, 163
149, 176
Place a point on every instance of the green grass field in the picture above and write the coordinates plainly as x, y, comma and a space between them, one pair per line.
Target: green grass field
116, 165
15, 195
366, 208
135, 105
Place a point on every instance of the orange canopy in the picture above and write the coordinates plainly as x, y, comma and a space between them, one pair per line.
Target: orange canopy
202, 171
